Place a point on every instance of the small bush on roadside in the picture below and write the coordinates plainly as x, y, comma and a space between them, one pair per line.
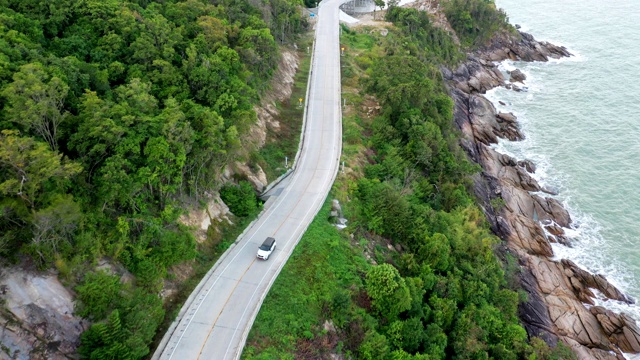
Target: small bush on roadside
241, 199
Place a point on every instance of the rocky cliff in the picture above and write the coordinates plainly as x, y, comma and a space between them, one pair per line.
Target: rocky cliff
560, 305
37, 317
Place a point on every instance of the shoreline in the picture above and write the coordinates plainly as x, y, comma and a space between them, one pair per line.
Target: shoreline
560, 304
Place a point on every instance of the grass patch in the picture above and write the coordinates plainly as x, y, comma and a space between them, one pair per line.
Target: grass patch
302, 296
360, 47
362, 40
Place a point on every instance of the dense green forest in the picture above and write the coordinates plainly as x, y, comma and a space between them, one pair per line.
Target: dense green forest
114, 115
417, 273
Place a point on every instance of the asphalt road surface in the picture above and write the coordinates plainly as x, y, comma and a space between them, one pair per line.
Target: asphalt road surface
215, 321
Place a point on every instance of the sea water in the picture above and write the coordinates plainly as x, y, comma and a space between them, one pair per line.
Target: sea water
581, 119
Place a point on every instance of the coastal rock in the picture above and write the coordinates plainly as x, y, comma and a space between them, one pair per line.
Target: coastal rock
527, 165
475, 76
505, 168
585, 353
534, 313
597, 281
517, 76
560, 240
506, 117
520, 201
508, 128
556, 233
521, 46
550, 210
529, 236
557, 290
554, 230
570, 318
620, 328
480, 122
483, 120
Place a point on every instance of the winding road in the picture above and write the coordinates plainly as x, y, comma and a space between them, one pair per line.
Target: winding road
215, 320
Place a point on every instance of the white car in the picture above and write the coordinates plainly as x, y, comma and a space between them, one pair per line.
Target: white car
267, 247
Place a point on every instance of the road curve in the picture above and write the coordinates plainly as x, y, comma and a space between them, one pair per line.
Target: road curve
216, 318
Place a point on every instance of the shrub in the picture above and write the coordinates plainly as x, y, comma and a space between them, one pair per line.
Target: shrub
97, 295
241, 199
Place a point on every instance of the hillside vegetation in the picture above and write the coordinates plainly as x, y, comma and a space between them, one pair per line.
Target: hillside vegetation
114, 115
416, 274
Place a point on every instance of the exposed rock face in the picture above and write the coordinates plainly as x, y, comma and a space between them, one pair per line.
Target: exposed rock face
37, 317
517, 76
200, 219
559, 291
475, 76
526, 48
282, 87
267, 112
255, 176
620, 328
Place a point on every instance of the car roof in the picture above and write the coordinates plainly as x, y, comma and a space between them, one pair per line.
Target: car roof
269, 241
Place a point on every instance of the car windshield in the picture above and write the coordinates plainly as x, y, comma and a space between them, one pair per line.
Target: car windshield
264, 247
